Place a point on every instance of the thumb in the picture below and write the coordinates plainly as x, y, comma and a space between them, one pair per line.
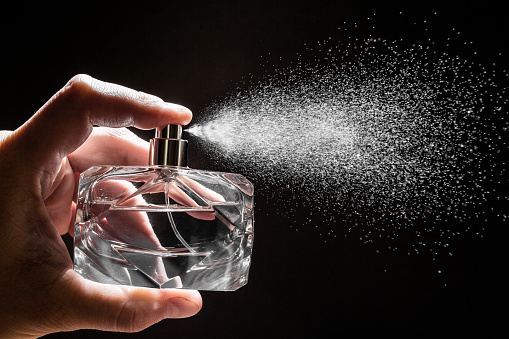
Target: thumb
124, 308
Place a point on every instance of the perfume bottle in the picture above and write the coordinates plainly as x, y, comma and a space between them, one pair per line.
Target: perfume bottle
165, 225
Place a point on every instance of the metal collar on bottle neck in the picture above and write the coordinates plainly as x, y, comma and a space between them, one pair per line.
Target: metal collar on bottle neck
168, 148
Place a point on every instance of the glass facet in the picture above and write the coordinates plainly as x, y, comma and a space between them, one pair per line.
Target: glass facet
164, 227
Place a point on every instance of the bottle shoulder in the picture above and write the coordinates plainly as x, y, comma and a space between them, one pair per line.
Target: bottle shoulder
112, 169
214, 180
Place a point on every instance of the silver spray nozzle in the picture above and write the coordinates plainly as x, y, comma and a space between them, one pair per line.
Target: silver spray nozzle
168, 148
169, 132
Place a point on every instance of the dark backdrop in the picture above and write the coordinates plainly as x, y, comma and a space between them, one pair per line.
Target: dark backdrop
197, 52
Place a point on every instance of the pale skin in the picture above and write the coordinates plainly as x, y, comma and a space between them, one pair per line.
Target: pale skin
39, 163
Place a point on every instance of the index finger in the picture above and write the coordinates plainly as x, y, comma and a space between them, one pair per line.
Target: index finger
67, 119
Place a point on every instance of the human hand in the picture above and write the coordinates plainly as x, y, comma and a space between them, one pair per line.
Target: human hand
39, 163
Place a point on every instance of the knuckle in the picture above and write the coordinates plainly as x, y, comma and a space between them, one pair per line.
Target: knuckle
147, 99
77, 87
131, 318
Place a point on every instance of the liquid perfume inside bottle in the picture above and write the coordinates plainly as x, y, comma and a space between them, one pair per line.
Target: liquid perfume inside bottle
164, 225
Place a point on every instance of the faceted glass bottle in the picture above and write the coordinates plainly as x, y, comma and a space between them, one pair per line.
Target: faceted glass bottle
164, 226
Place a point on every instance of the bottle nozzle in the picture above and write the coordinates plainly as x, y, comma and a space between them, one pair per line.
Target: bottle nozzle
169, 132
168, 148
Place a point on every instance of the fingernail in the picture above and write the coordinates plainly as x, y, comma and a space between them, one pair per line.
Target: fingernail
180, 307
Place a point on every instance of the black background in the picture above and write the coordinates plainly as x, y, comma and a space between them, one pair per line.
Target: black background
196, 52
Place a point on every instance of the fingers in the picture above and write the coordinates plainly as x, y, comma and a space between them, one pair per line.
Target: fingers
125, 308
66, 120
59, 202
110, 146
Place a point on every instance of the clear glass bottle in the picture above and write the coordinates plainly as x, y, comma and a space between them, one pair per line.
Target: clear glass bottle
165, 225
